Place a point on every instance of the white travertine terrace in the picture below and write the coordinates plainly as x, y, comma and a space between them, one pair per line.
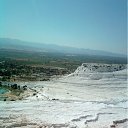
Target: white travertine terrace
94, 95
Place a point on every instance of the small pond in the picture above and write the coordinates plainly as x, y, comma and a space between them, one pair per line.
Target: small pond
2, 91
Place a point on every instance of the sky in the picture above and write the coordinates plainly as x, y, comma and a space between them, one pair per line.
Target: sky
89, 24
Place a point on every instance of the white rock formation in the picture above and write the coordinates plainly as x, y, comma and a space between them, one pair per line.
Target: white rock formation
93, 96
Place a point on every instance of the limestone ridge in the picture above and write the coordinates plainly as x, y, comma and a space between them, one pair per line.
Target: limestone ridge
98, 70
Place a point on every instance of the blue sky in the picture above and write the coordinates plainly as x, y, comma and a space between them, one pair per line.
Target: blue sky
90, 24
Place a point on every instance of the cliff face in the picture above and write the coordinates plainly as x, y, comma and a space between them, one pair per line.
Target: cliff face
96, 71
95, 67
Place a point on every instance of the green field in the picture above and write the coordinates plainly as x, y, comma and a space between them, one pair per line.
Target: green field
28, 65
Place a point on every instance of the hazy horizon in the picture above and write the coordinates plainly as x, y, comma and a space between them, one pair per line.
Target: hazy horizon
28, 44
88, 24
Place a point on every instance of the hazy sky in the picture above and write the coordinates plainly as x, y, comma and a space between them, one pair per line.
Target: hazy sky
91, 24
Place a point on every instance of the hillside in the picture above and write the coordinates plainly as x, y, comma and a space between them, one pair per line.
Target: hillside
77, 100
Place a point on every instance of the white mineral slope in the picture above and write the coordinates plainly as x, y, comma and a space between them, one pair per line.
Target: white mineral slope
89, 86
92, 97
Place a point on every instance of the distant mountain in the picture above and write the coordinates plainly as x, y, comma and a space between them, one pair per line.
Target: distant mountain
7, 43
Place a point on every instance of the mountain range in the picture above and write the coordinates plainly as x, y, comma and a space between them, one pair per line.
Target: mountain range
8, 43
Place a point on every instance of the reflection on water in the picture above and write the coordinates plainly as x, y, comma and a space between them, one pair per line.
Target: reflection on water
2, 91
